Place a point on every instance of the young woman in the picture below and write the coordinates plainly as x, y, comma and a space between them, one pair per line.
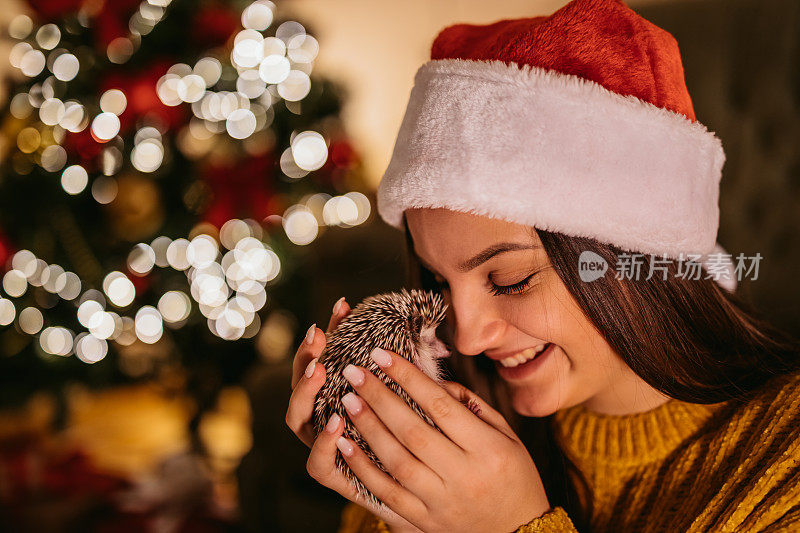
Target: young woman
536, 156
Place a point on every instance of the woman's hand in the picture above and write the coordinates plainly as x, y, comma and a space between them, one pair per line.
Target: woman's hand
475, 476
308, 376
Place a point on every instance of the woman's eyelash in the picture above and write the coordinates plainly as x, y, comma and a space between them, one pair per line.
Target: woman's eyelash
512, 289
498, 290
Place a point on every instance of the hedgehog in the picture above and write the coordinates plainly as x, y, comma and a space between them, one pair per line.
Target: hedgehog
403, 322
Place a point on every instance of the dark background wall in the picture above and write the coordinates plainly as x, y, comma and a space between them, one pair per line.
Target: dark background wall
742, 64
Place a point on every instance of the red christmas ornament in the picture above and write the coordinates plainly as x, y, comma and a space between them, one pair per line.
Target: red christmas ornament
214, 25
54, 9
110, 17
239, 190
112, 21
5, 250
82, 146
140, 91
342, 154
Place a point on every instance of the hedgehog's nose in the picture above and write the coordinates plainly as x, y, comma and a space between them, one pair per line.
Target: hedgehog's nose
440, 350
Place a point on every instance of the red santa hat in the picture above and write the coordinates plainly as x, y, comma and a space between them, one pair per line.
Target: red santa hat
579, 123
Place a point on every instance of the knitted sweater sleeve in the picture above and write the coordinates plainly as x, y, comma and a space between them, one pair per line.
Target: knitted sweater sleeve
555, 520
356, 519
761, 492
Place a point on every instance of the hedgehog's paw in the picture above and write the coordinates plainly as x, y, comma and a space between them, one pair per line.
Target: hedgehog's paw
473, 406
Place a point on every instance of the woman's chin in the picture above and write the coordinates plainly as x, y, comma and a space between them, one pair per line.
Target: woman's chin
530, 403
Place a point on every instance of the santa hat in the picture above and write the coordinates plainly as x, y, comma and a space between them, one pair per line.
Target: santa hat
578, 123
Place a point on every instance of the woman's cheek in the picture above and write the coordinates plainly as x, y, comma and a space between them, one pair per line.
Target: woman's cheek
530, 309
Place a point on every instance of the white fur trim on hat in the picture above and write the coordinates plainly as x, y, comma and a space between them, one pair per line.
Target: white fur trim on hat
554, 151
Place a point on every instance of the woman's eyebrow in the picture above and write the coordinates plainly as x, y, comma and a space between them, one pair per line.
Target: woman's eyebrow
485, 255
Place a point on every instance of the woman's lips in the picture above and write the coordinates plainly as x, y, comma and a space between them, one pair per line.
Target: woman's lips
512, 359
526, 369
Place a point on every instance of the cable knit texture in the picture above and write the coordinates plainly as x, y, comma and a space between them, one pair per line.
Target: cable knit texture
679, 467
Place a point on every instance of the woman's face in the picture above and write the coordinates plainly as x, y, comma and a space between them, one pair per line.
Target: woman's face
470, 255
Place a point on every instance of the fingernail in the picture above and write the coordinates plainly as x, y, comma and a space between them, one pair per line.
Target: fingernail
381, 357
353, 375
310, 334
344, 446
352, 403
337, 305
310, 368
333, 423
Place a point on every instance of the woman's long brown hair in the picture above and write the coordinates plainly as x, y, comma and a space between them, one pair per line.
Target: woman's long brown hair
687, 338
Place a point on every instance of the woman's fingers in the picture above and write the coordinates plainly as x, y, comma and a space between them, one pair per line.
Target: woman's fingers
479, 407
301, 403
453, 418
314, 341
386, 489
322, 467
340, 310
398, 461
422, 440
310, 348
308, 376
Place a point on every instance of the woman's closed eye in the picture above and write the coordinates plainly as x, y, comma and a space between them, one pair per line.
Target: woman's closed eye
496, 290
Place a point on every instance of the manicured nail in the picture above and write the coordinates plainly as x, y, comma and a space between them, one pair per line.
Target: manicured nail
310, 368
310, 334
352, 403
344, 446
333, 423
381, 357
337, 306
353, 375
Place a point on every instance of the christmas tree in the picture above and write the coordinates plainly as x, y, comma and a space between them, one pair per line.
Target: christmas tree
166, 165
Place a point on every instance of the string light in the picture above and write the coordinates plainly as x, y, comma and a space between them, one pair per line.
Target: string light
7, 312
174, 306
258, 15
66, 67
147, 155
74, 118
15, 283
119, 289
241, 123
141, 259
53, 158
113, 101
104, 190
309, 150
105, 126
32, 63
48, 36
148, 324
87, 310
56, 340
300, 225
20, 27
74, 179
70, 285
90, 349
31, 320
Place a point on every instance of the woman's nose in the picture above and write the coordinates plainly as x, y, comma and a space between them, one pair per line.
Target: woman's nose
476, 326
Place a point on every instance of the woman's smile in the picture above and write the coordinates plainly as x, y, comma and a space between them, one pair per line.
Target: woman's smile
517, 371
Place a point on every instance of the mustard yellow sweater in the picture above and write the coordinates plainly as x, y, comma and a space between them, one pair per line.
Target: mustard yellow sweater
679, 467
